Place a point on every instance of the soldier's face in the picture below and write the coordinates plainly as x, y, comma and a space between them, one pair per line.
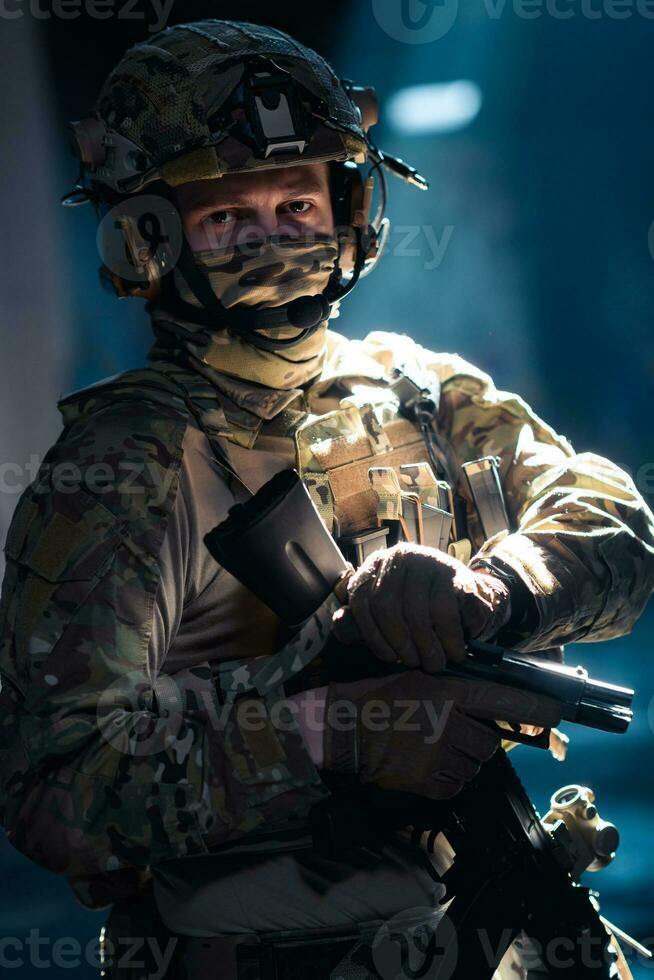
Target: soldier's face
240, 208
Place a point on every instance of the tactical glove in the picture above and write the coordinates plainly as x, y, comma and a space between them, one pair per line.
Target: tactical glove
420, 606
416, 733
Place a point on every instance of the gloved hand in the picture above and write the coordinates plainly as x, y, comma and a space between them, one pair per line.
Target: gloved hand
416, 733
420, 606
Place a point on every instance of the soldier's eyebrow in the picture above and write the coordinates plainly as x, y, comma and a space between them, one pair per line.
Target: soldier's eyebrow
307, 185
297, 189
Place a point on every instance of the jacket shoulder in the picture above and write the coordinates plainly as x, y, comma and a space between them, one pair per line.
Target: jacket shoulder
106, 488
384, 350
147, 392
116, 461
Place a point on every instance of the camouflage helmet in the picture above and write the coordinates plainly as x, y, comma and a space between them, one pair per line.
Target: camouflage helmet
203, 99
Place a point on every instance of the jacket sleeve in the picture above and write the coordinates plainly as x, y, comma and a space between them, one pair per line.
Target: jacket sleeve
105, 763
583, 536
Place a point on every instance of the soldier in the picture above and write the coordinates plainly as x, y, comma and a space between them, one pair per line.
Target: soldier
224, 160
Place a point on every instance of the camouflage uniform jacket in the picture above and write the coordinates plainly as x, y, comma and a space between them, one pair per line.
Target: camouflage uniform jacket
98, 780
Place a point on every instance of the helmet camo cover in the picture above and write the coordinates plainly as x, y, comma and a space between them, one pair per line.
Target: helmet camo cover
171, 109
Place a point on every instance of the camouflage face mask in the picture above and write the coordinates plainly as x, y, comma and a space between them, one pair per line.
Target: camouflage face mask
264, 274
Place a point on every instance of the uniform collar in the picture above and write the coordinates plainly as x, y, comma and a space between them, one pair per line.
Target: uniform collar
239, 408
264, 403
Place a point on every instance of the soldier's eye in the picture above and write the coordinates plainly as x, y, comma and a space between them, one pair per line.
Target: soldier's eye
221, 217
299, 207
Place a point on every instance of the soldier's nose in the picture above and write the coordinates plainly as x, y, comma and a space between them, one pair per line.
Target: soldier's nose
270, 222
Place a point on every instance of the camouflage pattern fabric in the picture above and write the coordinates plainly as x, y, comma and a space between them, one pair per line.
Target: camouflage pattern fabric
266, 674
77, 707
318, 436
419, 479
320, 492
170, 97
231, 409
386, 484
95, 779
336, 451
584, 538
260, 275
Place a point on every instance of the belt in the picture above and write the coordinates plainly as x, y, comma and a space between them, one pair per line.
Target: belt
320, 954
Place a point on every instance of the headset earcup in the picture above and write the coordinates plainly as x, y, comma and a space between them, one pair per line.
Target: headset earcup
124, 245
351, 210
123, 288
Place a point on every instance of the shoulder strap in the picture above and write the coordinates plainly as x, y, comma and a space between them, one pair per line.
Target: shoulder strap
203, 403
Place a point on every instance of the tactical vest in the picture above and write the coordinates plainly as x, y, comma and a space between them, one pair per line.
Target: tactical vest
364, 460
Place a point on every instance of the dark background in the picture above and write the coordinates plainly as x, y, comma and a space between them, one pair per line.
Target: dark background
547, 282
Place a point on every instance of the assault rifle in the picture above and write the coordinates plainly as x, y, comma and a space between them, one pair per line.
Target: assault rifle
509, 875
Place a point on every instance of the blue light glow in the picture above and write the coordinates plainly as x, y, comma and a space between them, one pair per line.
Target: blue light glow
435, 108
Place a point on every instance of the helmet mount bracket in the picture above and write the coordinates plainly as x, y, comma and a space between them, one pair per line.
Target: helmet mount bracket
274, 111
